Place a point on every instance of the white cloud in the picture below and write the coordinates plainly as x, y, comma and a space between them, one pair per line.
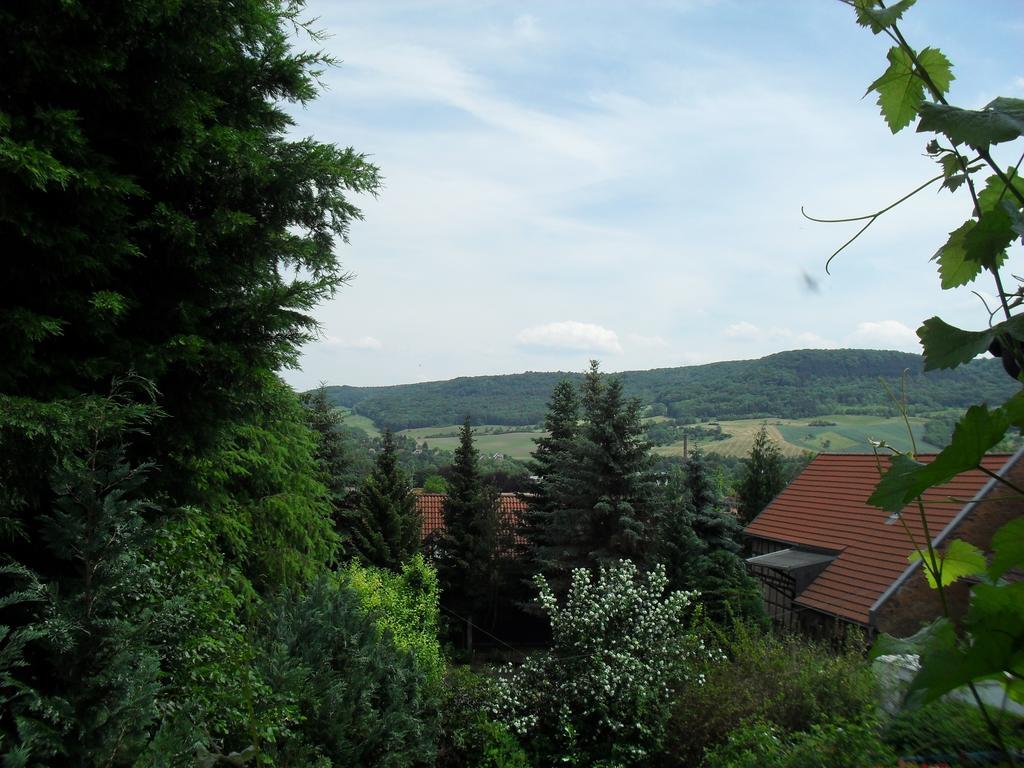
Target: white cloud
647, 342
890, 334
571, 335
362, 342
746, 331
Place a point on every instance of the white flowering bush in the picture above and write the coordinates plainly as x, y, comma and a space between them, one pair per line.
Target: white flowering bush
620, 649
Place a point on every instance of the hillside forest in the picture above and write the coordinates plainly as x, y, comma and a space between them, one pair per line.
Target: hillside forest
200, 566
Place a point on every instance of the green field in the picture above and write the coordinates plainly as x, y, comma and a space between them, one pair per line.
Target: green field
360, 422
850, 434
515, 445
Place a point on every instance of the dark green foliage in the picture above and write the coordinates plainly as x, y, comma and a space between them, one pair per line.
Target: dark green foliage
469, 547
334, 449
260, 488
385, 527
791, 683
698, 545
154, 213
82, 679
835, 743
597, 500
947, 728
796, 384
763, 477
470, 737
355, 699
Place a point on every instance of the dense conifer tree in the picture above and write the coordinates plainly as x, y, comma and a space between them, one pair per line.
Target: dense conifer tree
763, 476
549, 465
598, 501
386, 526
469, 548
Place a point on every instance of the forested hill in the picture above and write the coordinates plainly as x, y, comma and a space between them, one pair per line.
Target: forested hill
792, 384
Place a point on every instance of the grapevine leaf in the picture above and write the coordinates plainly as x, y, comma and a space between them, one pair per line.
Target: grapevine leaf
1001, 120
959, 560
900, 90
869, 14
891, 492
946, 346
993, 193
995, 620
937, 67
1007, 548
954, 269
977, 432
986, 242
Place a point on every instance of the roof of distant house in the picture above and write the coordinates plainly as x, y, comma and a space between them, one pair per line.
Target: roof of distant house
431, 509
825, 508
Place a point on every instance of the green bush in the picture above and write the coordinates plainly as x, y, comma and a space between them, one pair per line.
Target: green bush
788, 682
834, 744
357, 699
602, 693
470, 738
948, 728
405, 607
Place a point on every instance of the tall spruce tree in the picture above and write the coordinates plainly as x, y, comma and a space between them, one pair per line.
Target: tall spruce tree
550, 460
469, 549
600, 503
386, 525
763, 476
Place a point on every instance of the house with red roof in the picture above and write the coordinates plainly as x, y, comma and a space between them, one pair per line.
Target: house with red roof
825, 558
431, 508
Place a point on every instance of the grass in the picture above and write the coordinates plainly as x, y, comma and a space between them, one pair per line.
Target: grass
843, 434
515, 445
360, 422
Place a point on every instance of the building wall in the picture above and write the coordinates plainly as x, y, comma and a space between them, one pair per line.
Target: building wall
915, 603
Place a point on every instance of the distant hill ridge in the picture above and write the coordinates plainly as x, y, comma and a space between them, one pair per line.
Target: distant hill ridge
794, 384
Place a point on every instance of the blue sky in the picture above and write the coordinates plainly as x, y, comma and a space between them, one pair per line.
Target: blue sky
623, 180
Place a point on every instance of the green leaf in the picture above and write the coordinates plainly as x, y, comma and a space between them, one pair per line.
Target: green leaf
937, 67
1007, 548
946, 346
993, 193
891, 492
1000, 120
869, 14
960, 559
977, 432
900, 90
986, 242
954, 268
887, 645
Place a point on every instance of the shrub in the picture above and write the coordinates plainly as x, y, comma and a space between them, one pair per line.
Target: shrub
357, 699
602, 694
948, 728
834, 744
405, 606
470, 738
788, 682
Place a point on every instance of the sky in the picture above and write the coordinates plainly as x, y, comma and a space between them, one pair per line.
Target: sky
577, 179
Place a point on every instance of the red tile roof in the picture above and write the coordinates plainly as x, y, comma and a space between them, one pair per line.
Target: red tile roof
431, 509
826, 507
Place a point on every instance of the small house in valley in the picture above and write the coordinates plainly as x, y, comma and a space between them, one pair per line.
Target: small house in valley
825, 558
511, 506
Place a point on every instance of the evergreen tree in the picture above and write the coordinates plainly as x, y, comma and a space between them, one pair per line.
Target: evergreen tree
597, 503
332, 452
386, 527
550, 461
468, 563
763, 476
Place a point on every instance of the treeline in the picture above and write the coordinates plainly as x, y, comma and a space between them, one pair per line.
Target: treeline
796, 384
